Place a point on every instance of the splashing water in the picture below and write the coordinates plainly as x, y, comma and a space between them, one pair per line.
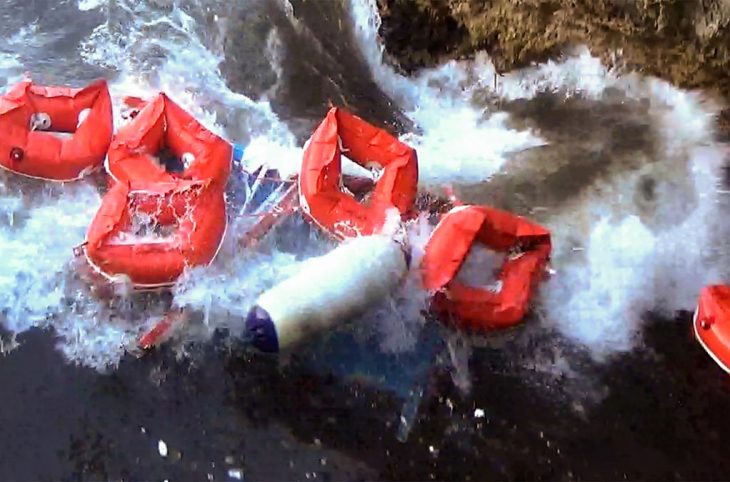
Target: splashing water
615, 257
156, 51
459, 141
481, 267
41, 284
85, 5
38, 284
627, 269
31, 290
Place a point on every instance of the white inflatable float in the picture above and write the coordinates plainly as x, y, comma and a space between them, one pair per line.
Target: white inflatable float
329, 289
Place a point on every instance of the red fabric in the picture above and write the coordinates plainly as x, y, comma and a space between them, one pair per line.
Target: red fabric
45, 155
712, 321
201, 226
134, 102
162, 123
321, 171
448, 247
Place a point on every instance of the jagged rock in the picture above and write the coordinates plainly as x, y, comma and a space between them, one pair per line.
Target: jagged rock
322, 67
684, 41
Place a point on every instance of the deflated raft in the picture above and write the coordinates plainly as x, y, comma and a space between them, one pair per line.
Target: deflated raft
55, 133
711, 323
320, 181
185, 211
193, 213
162, 131
266, 200
477, 308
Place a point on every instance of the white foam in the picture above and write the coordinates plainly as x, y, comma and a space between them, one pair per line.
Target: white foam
11, 64
638, 261
86, 5
37, 282
274, 154
630, 261
400, 317
29, 287
458, 142
601, 302
184, 68
481, 267
579, 74
38, 286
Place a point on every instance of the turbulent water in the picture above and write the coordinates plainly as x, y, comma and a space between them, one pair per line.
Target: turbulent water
623, 170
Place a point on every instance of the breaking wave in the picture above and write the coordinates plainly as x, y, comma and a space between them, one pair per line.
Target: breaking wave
643, 237
619, 252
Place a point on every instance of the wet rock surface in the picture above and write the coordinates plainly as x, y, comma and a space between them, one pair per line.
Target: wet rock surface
687, 43
322, 66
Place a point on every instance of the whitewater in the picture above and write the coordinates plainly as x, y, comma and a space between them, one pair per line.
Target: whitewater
643, 237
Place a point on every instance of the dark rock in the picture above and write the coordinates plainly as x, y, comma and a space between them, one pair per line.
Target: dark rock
684, 42
318, 64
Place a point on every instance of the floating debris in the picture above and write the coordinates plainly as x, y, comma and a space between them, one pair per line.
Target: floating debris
235, 474
408, 414
434, 451
479, 413
162, 448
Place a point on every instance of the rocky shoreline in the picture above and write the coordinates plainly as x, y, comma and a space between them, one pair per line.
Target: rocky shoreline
686, 42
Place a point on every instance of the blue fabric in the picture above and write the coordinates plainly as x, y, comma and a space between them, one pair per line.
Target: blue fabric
249, 197
238, 151
269, 183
